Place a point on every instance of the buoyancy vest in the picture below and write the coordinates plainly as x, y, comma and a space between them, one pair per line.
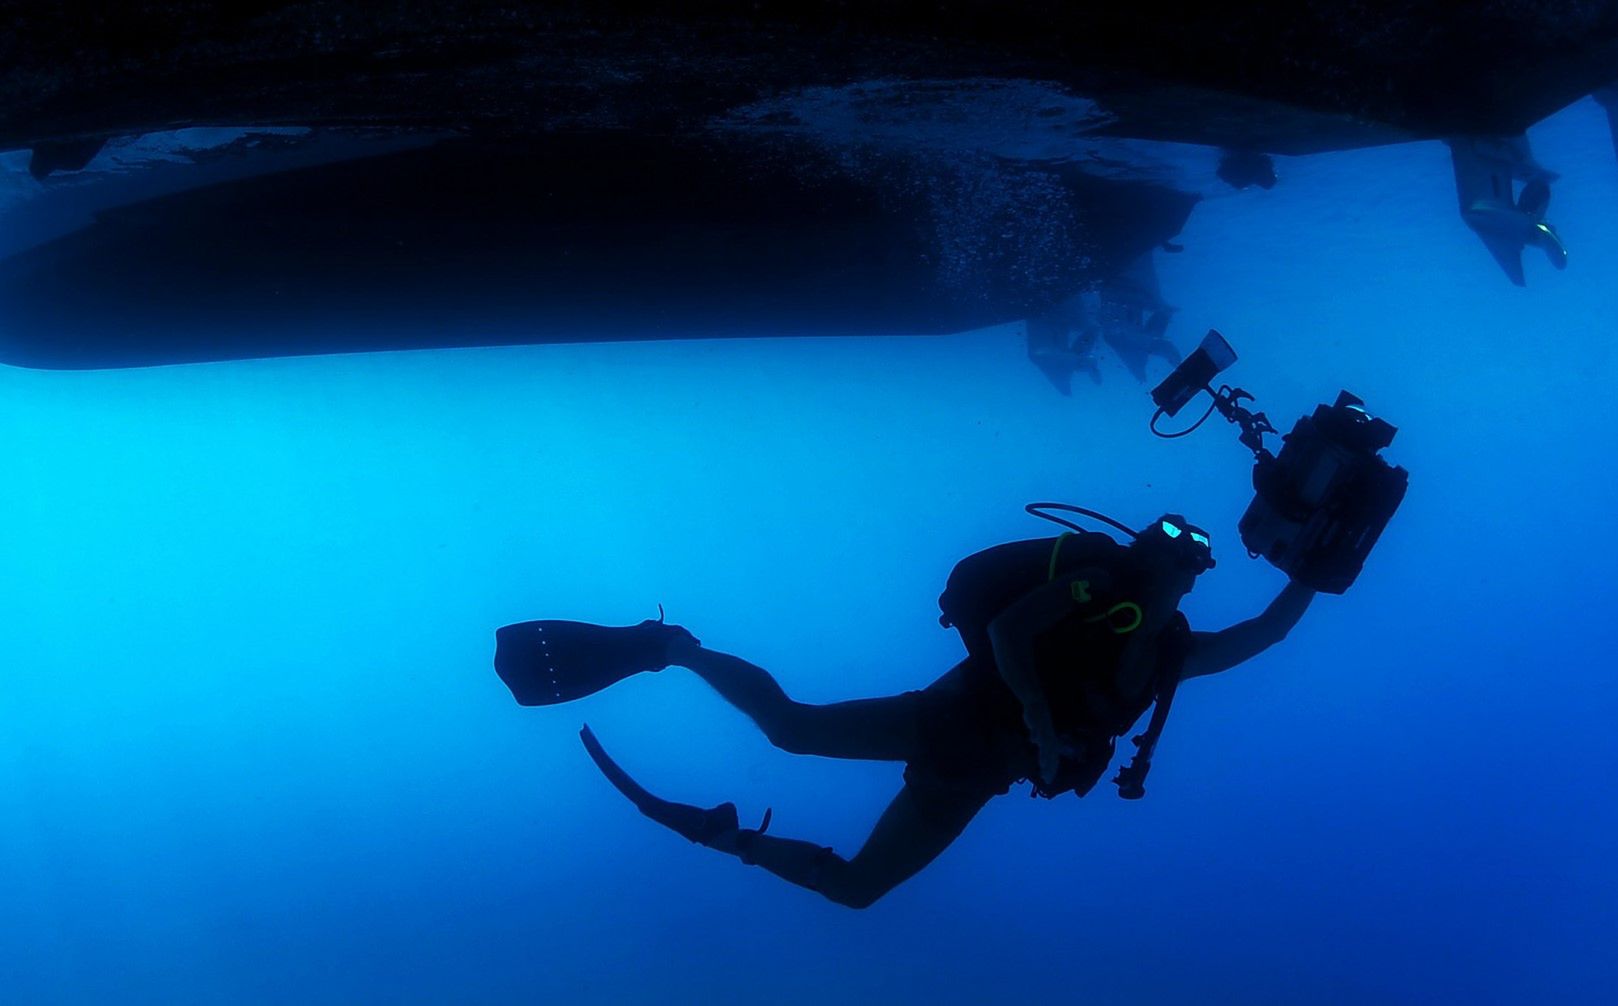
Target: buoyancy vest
1079, 660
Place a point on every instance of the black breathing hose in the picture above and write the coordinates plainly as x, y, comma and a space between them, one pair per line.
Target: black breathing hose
1038, 510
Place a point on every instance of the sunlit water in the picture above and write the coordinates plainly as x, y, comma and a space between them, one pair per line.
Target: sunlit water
252, 751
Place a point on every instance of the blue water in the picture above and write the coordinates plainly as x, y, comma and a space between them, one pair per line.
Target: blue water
252, 751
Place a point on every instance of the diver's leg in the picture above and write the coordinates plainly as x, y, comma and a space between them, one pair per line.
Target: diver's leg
917, 826
883, 729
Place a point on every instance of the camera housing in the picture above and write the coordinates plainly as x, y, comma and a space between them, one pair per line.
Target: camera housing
1321, 504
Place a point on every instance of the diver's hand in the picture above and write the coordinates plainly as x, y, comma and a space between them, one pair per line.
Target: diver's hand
1050, 759
1042, 731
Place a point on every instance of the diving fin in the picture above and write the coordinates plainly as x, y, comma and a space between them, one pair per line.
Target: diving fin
549, 662
716, 827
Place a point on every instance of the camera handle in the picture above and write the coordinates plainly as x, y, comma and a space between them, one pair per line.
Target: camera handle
1228, 402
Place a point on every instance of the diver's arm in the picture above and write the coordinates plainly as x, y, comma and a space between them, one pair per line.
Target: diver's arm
1212, 652
1011, 635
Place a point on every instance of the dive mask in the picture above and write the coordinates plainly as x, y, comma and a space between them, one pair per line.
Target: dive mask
1191, 543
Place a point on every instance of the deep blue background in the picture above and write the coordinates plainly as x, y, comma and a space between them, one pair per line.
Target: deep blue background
251, 749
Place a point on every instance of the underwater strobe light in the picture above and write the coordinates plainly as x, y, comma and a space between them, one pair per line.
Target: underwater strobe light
1321, 504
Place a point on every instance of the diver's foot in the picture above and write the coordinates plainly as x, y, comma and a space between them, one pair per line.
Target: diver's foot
664, 644
721, 831
716, 828
712, 826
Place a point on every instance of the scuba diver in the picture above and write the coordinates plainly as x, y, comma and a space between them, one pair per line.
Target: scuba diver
1128, 313
1069, 641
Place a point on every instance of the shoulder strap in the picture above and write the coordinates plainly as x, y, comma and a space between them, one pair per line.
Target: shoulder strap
1056, 552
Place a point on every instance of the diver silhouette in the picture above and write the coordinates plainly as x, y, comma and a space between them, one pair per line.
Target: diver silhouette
1126, 310
1069, 641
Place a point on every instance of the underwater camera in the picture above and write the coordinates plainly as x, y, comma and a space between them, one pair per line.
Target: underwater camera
1320, 505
